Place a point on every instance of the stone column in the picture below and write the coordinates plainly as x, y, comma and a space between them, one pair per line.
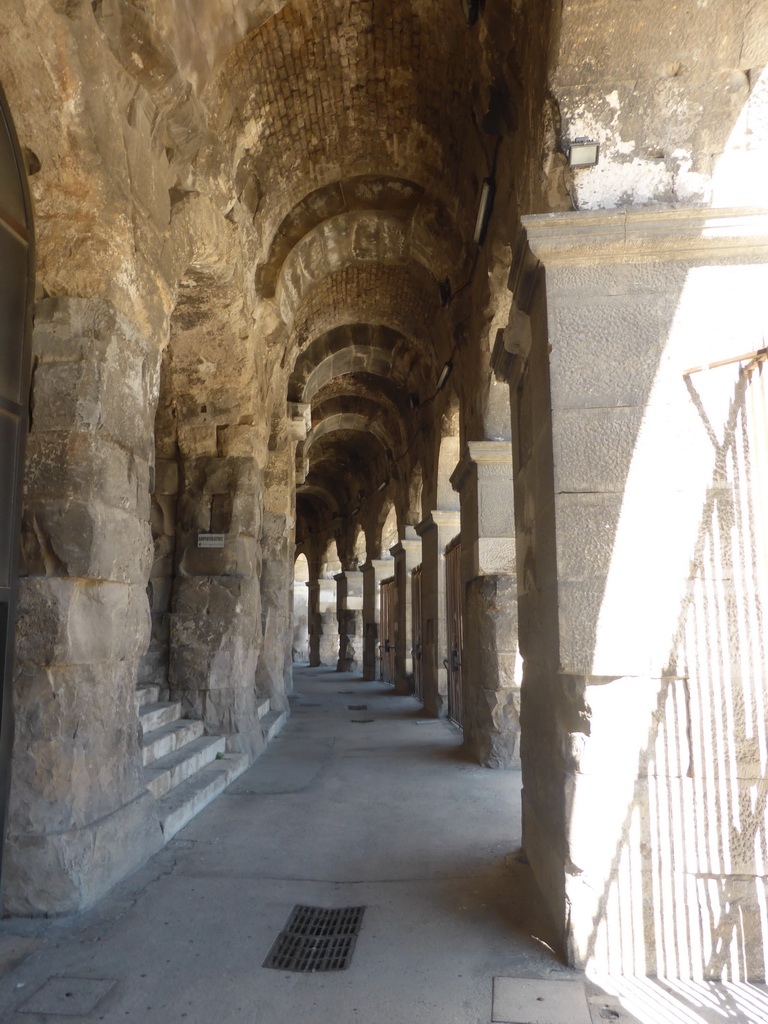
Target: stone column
328, 640
300, 622
80, 815
313, 620
407, 555
436, 532
644, 807
274, 672
483, 479
350, 617
215, 625
374, 571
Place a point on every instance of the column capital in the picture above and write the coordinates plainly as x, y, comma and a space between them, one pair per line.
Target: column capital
481, 454
409, 548
347, 574
379, 566
440, 519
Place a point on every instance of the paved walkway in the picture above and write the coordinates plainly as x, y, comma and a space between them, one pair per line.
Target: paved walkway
370, 806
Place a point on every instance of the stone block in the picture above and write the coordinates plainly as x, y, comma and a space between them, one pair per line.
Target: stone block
240, 440
240, 556
72, 622
607, 351
586, 534
596, 46
160, 590
64, 872
166, 476
593, 448
86, 468
88, 396
165, 523
85, 539
76, 752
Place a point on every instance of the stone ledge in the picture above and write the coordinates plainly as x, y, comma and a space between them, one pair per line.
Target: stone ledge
646, 233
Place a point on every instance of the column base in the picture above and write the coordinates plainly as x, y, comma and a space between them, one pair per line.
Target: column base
65, 872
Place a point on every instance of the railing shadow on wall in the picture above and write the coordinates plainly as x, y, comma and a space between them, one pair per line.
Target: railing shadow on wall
686, 895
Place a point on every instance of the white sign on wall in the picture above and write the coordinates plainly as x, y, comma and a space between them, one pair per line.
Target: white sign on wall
211, 540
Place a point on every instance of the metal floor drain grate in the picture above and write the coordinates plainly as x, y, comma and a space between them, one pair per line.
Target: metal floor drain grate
357, 707
360, 721
316, 939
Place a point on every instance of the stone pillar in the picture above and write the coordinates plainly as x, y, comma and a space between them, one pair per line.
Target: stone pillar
643, 803
350, 616
313, 620
274, 672
374, 571
216, 633
300, 622
436, 532
80, 815
328, 639
483, 479
407, 555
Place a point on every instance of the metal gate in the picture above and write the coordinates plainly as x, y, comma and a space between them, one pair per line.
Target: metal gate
16, 297
387, 627
453, 606
416, 651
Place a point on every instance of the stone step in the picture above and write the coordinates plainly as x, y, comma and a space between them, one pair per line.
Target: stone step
263, 708
272, 723
146, 694
163, 775
153, 716
183, 802
160, 742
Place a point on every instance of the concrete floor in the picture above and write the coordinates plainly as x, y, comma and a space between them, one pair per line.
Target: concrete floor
375, 807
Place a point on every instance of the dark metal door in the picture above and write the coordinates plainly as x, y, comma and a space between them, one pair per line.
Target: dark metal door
16, 297
454, 612
387, 623
418, 681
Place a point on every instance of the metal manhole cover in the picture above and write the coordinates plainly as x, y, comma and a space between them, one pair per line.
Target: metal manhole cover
67, 997
316, 939
357, 707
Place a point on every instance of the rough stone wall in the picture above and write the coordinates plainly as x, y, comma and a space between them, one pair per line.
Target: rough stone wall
116, 137
83, 616
676, 97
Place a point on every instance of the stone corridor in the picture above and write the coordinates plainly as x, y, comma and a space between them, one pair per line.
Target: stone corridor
424, 340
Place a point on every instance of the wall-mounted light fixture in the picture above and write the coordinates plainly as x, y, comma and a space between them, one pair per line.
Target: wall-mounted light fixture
583, 153
484, 210
382, 485
445, 373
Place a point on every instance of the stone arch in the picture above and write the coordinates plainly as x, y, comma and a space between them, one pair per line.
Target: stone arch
347, 422
368, 236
